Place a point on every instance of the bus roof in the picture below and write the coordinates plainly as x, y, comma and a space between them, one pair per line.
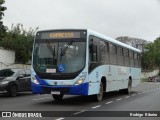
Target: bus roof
90, 32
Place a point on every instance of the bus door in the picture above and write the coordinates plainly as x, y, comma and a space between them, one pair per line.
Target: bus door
93, 65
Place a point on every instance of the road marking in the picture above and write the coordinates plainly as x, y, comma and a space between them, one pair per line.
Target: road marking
42, 98
59, 119
119, 99
96, 106
144, 92
79, 112
134, 94
127, 97
109, 102
139, 93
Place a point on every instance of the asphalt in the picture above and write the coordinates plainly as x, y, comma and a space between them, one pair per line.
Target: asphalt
144, 97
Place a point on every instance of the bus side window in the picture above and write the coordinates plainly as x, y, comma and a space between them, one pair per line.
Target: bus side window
93, 52
103, 53
126, 57
131, 55
139, 60
113, 53
120, 56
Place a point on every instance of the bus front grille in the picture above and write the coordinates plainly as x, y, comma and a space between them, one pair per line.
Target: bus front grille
62, 90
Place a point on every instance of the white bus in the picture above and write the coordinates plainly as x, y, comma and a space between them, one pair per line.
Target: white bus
82, 62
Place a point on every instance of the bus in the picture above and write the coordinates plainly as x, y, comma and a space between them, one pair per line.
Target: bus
82, 62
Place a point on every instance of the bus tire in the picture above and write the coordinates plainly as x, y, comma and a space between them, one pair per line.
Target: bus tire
58, 97
128, 90
98, 97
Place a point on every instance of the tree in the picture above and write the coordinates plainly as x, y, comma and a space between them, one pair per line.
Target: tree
2, 27
157, 52
20, 40
151, 56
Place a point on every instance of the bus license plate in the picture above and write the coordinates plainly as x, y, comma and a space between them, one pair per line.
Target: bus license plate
55, 92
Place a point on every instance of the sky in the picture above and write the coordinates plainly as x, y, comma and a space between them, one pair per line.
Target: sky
114, 18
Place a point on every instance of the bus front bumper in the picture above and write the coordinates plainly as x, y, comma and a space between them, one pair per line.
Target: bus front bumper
69, 90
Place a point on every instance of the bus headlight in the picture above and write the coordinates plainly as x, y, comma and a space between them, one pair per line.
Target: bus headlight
80, 81
35, 81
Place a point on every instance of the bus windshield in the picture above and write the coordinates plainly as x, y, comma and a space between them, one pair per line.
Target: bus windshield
59, 56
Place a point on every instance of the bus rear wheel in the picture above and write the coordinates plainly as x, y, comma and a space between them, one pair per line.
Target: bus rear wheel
98, 97
128, 89
58, 97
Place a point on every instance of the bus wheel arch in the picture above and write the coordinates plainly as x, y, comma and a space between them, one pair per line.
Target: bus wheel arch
98, 97
130, 81
104, 82
129, 86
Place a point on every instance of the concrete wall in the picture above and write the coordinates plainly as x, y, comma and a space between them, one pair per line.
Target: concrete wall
2, 66
7, 56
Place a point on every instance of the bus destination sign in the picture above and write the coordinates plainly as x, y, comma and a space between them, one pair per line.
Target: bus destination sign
61, 35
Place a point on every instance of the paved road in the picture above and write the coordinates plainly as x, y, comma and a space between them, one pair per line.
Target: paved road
144, 97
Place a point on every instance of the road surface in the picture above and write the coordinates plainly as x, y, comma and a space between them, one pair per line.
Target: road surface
144, 97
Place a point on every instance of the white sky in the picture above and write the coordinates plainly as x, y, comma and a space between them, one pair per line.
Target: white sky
114, 18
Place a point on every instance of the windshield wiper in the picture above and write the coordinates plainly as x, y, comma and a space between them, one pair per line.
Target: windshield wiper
63, 52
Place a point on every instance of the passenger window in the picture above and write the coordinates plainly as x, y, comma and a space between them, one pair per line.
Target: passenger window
93, 51
120, 51
131, 54
126, 53
114, 49
113, 53
135, 55
103, 51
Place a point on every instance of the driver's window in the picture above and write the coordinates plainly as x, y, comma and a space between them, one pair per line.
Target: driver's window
92, 51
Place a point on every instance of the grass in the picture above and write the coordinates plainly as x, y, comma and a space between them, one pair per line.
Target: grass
144, 80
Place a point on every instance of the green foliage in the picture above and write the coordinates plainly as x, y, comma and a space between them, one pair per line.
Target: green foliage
151, 56
2, 27
20, 40
157, 51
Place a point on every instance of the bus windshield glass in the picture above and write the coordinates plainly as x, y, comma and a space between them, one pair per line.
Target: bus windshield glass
59, 56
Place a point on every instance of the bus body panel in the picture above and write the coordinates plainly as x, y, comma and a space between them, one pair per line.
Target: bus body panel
116, 76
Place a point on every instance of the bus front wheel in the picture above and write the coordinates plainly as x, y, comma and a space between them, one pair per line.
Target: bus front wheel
58, 97
98, 97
